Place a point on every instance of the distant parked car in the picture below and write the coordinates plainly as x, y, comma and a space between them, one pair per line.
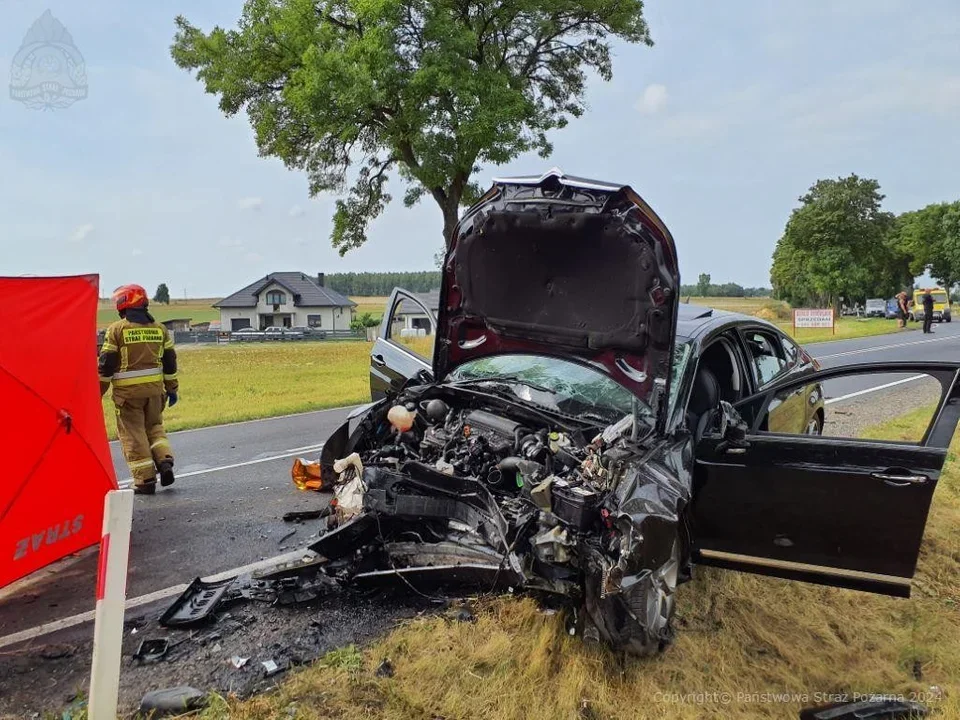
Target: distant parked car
275, 332
893, 309
310, 332
876, 307
246, 334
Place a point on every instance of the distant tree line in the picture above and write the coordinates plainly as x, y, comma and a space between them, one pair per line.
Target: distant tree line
373, 284
841, 247
705, 288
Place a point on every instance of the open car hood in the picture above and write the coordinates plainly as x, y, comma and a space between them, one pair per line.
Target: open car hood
562, 266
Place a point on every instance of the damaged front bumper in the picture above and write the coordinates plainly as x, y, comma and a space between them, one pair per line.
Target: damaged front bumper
591, 525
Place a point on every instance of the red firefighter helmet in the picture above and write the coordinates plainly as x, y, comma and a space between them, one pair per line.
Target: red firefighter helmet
130, 296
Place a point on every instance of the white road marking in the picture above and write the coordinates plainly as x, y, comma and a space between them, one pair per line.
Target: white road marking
74, 620
874, 389
286, 454
886, 347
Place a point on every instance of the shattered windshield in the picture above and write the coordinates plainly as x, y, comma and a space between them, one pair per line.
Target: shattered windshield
553, 383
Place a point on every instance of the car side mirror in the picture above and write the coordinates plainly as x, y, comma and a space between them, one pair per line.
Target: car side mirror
732, 430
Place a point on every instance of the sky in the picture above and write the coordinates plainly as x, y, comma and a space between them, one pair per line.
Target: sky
736, 110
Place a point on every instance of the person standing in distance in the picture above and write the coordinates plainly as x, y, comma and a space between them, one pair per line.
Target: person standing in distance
927, 311
138, 359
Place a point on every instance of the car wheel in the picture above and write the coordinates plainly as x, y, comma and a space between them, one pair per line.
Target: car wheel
639, 620
815, 426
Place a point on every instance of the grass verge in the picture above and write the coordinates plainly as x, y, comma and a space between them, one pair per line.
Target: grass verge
753, 647
230, 383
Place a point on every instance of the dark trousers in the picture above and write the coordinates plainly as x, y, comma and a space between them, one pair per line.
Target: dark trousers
927, 321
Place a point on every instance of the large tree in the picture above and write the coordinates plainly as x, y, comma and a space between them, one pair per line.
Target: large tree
838, 243
426, 89
931, 237
162, 295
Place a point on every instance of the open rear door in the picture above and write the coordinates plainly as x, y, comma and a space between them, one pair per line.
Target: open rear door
403, 351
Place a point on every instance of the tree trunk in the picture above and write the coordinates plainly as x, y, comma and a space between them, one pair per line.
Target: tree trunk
451, 215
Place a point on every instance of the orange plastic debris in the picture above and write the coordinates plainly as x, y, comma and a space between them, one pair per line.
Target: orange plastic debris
306, 474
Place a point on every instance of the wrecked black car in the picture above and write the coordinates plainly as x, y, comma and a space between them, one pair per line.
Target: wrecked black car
567, 441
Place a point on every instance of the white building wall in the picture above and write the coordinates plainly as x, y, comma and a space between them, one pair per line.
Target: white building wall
228, 314
330, 318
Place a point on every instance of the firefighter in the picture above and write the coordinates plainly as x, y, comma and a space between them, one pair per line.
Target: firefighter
138, 358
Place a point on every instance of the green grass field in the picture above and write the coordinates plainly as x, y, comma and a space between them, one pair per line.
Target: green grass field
228, 383
197, 309
370, 304
738, 636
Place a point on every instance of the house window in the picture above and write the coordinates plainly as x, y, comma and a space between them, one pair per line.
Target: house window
275, 297
315, 320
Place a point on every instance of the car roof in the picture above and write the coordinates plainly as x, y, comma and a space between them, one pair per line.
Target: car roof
696, 321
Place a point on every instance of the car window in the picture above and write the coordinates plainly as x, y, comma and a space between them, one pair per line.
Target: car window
766, 355
411, 328
887, 407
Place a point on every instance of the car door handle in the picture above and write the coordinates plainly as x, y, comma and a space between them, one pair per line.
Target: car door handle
899, 480
378, 360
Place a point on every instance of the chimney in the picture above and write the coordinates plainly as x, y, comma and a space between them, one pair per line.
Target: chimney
320, 279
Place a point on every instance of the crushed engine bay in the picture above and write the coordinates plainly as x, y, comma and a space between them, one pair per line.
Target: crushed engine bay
446, 486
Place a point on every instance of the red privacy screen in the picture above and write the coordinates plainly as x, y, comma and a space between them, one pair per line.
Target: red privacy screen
55, 465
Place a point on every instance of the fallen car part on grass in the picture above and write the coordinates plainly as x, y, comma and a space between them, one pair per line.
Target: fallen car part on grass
284, 584
152, 650
172, 700
875, 708
196, 603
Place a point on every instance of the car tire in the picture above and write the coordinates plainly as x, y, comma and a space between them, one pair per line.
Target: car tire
815, 425
641, 621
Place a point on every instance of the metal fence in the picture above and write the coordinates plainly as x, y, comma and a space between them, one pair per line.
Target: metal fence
191, 337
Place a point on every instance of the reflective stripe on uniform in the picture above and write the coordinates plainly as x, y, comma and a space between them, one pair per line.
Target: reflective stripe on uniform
136, 464
168, 344
160, 443
137, 377
108, 347
171, 376
105, 379
137, 373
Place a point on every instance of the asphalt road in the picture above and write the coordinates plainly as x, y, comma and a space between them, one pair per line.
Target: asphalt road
234, 485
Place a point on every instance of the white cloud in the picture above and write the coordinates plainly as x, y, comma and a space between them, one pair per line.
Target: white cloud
253, 257
250, 203
653, 100
81, 233
296, 211
136, 252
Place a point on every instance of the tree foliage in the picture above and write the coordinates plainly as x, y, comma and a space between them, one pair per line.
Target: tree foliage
839, 243
162, 295
703, 284
361, 322
379, 284
931, 238
427, 90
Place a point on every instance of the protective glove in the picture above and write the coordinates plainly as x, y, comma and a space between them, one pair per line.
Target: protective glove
172, 398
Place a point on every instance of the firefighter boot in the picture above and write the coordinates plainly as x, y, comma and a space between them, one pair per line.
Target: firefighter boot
149, 488
166, 473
